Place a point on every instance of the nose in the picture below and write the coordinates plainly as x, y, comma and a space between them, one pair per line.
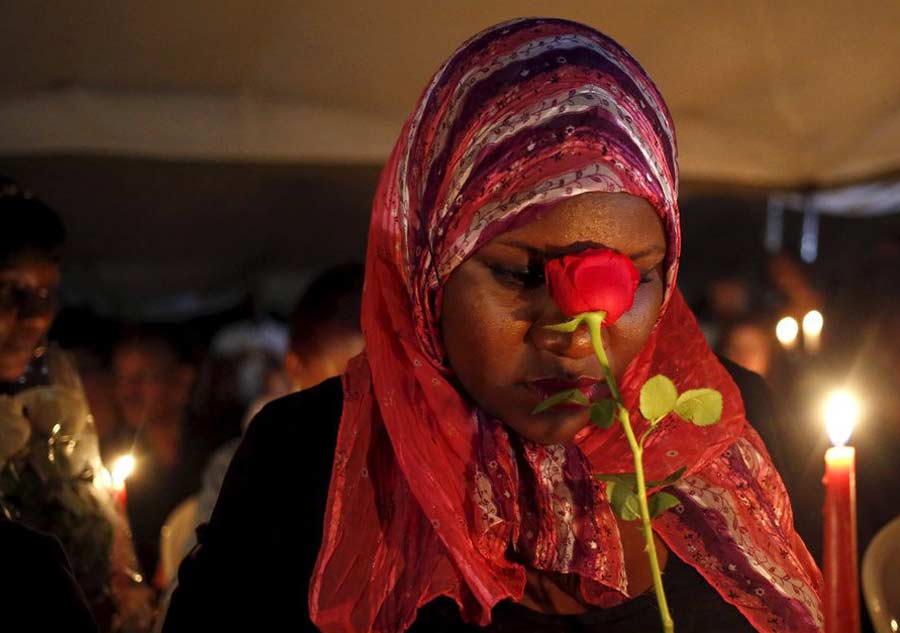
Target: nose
574, 345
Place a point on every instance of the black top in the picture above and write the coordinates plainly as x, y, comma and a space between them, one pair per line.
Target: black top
255, 557
37, 589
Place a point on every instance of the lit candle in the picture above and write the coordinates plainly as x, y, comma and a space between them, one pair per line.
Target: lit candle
786, 332
122, 469
841, 580
812, 331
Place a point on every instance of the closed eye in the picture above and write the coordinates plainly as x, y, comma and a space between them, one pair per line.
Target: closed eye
526, 278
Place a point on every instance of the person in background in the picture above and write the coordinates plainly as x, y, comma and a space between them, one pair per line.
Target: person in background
748, 343
324, 335
51, 476
791, 281
324, 327
728, 298
152, 386
250, 346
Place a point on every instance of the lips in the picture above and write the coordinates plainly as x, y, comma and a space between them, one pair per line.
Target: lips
592, 388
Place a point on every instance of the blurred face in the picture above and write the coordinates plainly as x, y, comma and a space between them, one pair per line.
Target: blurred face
328, 358
496, 304
748, 345
151, 386
27, 301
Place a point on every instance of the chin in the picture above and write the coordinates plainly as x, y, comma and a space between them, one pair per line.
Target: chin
12, 371
552, 427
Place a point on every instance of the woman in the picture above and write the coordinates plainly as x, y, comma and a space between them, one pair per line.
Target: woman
51, 478
538, 138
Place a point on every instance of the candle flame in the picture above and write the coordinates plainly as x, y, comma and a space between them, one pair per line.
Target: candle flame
121, 470
786, 330
841, 414
813, 322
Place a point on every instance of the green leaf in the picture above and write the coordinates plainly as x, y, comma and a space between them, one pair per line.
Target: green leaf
623, 479
658, 398
573, 396
701, 407
624, 502
660, 502
603, 413
668, 481
568, 327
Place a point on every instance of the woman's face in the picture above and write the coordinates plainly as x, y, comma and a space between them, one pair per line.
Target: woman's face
496, 304
27, 289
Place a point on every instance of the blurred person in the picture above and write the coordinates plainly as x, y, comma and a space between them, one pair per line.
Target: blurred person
31, 244
152, 385
252, 345
748, 343
727, 299
51, 476
790, 279
324, 327
324, 335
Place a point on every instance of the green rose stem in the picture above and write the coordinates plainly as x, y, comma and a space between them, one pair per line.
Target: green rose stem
595, 321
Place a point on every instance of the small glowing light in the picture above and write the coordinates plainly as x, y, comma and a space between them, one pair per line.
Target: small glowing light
121, 470
812, 323
894, 625
786, 331
841, 415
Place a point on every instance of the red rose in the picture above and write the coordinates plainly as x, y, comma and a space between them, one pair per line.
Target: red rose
591, 281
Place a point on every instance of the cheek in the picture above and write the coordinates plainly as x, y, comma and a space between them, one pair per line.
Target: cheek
480, 330
633, 329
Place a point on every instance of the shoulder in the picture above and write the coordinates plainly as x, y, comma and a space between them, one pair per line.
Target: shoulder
287, 450
290, 412
304, 421
18, 541
257, 552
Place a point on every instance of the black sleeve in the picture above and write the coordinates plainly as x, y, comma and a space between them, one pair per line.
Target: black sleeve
39, 591
251, 567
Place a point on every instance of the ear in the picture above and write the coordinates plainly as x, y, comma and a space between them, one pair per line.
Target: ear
294, 369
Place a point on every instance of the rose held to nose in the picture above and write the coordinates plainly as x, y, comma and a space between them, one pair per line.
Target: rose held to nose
593, 281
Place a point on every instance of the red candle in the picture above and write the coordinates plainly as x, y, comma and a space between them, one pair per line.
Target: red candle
121, 495
122, 469
841, 579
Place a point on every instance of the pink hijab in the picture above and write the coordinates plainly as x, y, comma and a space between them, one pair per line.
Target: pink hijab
427, 497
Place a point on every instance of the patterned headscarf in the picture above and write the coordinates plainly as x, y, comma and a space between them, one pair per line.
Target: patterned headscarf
429, 495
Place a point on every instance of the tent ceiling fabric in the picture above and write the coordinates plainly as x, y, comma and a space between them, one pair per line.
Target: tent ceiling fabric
763, 93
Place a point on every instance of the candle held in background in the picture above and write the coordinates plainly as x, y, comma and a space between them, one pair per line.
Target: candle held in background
786, 332
813, 322
121, 470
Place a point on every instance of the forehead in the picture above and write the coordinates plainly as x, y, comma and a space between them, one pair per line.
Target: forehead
142, 355
618, 221
31, 272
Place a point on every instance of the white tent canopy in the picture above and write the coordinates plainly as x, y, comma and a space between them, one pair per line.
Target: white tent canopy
763, 93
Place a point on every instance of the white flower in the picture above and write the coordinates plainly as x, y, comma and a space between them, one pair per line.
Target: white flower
45, 407
15, 431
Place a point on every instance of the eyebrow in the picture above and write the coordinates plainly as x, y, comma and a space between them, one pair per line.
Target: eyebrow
551, 252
